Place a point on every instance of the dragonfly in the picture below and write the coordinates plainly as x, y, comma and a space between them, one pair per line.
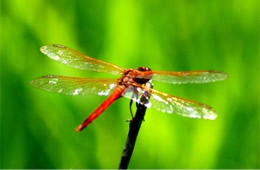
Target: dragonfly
134, 84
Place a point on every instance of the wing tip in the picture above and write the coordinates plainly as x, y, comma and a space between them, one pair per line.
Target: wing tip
219, 75
223, 74
39, 80
32, 82
36, 82
45, 49
212, 116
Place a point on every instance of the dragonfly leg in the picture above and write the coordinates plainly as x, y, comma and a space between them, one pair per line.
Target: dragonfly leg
130, 106
131, 102
135, 95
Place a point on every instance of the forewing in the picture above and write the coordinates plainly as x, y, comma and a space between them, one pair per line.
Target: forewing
77, 60
74, 86
188, 76
172, 104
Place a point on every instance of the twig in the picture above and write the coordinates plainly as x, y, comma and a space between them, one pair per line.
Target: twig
134, 127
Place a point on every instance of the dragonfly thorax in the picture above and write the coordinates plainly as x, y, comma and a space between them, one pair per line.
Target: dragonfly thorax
131, 76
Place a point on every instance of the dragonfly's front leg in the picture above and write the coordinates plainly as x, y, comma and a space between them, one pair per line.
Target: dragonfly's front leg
130, 107
134, 96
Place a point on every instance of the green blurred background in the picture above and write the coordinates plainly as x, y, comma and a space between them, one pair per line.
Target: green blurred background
37, 127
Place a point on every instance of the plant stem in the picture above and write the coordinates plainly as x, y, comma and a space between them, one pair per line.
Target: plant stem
134, 127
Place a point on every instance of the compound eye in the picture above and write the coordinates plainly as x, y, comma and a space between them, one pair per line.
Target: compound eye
144, 69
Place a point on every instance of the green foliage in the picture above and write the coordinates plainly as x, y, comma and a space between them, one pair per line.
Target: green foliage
37, 128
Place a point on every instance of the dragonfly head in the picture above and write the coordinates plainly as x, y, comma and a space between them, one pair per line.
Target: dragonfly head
144, 78
143, 69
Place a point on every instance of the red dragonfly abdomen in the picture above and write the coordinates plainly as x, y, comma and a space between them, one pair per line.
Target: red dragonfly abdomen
113, 97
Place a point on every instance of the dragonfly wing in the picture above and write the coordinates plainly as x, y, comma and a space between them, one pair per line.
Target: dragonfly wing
75, 86
188, 76
184, 107
172, 104
77, 60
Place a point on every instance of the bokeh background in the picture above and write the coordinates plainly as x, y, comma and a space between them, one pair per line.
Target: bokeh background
37, 127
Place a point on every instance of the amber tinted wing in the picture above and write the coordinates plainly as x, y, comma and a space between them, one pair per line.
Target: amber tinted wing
74, 86
172, 104
77, 60
188, 76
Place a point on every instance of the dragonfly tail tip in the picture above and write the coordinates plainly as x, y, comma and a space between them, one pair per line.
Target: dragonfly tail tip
79, 128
